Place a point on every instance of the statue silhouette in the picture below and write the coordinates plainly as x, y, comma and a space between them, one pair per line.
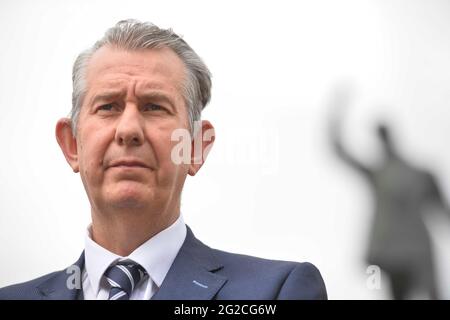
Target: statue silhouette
399, 242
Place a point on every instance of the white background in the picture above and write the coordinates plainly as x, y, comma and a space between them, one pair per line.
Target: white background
271, 186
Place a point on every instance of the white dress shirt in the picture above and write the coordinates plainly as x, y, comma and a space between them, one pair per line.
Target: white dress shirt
156, 256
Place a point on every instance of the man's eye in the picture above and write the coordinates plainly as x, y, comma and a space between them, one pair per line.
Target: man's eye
152, 107
106, 107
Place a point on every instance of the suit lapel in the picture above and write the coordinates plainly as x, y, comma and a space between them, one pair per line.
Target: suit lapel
191, 275
59, 286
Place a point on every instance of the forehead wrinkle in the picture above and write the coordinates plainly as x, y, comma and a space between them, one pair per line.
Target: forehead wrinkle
124, 68
131, 76
106, 95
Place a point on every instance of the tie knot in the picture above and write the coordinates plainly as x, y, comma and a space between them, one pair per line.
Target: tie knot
123, 277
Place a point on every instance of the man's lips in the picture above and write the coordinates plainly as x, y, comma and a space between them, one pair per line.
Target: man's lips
128, 163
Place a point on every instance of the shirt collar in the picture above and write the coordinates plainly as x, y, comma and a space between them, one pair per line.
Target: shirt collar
156, 255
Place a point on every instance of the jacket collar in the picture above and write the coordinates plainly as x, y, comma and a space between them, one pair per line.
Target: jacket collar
191, 276
65, 284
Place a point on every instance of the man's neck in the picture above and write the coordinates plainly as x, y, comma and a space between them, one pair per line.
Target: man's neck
123, 232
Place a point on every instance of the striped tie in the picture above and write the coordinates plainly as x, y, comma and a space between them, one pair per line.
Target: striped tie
123, 278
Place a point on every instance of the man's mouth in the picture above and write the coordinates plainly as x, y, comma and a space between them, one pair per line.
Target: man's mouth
128, 163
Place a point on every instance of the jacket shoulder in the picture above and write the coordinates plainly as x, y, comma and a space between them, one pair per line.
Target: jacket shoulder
307, 277
26, 290
258, 278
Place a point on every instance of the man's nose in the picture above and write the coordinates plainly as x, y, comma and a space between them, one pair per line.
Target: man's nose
129, 130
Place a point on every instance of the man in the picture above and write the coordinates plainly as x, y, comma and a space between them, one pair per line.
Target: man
132, 92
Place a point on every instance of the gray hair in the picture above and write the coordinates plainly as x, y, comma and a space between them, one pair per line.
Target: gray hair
134, 35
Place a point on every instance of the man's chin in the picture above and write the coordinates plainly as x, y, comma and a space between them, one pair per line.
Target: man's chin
129, 200
128, 203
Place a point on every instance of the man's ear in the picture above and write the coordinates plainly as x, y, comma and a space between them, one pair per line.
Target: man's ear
67, 142
201, 145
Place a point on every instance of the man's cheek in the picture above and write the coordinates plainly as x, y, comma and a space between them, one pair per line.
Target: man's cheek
91, 172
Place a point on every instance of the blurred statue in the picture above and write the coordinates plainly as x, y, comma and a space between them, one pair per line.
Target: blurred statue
399, 242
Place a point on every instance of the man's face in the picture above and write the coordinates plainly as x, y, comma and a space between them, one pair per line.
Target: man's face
132, 105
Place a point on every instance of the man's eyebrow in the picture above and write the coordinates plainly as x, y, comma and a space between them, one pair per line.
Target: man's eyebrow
106, 96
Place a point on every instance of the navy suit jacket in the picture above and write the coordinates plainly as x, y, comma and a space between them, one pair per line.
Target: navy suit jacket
202, 273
